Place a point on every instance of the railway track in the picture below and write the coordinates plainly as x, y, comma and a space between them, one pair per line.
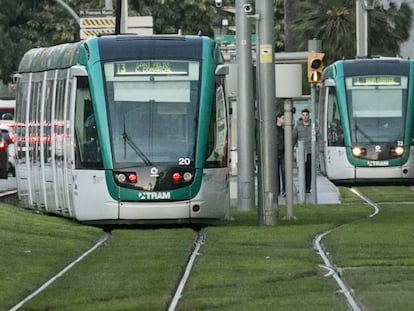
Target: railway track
177, 291
105, 237
186, 272
334, 271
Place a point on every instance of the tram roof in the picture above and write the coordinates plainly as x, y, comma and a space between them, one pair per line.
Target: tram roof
55, 57
370, 66
66, 55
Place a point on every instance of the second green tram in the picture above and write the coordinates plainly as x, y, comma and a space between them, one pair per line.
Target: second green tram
366, 113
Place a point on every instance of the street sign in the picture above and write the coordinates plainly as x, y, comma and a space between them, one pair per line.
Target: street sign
93, 26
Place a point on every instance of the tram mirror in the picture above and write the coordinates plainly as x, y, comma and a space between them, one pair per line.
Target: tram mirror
16, 77
222, 70
78, 71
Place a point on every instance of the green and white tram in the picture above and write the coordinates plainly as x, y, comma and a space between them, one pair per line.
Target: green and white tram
124, 130
366, 113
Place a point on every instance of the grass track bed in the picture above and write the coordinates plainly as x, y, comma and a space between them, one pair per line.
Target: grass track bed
377, 254
241, 266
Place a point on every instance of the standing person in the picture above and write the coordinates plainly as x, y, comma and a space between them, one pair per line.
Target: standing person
280, 143
303, 132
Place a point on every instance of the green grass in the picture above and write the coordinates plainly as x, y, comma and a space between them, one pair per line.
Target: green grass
135, 270
241, 266
380, 265
33, 247
247, 267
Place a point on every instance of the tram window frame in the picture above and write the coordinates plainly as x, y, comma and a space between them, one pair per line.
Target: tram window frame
88, 153
22, 97
160, 96
217, 145
333, 120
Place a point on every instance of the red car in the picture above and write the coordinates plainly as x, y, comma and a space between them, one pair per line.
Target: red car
4, 159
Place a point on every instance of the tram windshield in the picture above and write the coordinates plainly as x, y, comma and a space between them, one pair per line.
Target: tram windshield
377, 106
152, 107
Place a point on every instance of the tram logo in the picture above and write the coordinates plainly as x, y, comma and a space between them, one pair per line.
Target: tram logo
154, 172
378, 163
154, 195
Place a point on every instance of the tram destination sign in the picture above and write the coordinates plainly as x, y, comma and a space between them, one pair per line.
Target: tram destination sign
150, 67
376, 80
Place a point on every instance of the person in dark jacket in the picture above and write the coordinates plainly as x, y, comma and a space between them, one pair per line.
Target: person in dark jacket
280, 143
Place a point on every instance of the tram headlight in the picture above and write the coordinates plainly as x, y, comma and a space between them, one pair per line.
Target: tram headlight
187, 176
121, 178
358, 151
127, 178
399, 150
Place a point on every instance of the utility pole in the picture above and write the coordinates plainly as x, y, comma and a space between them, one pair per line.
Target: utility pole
361, 30
268, 193
70, 10
121, 14
314, 46
109, 5
245, 111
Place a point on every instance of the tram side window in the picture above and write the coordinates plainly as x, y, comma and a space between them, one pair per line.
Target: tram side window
334, 126
412, 136
34, 118
21, 117
217, 138
88, 153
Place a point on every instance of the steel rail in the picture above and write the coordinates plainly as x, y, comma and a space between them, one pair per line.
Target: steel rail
102, 240
199, 241
335, 272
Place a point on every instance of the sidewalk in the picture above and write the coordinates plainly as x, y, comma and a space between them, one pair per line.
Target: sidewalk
327, 192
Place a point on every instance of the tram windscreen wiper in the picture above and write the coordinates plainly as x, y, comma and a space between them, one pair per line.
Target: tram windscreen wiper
138, 151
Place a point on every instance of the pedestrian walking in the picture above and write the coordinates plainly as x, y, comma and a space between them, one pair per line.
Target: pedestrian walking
280, 151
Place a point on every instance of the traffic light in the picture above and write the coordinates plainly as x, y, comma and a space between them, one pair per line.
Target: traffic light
315, 67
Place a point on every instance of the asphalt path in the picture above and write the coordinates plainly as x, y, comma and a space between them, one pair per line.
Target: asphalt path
8, 186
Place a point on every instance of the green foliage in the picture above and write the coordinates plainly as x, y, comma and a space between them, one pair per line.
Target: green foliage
31, 23
190, 16
28, 24
334, 23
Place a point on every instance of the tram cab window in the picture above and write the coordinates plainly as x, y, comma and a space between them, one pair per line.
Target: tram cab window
88, 152
334, 129
217, 138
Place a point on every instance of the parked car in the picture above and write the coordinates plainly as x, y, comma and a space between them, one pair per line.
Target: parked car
4, 159
8, 137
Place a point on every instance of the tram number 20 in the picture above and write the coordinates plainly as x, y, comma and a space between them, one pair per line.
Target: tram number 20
184, 161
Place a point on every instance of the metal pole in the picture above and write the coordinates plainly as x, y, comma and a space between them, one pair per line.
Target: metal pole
109, 5
124, 16
288, 106
118, 17
313, 196
361, 30
300, 158
71, 12
314, 46
245, 112
267, 113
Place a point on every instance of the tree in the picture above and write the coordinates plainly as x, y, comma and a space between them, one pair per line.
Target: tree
333, 22
28, 24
